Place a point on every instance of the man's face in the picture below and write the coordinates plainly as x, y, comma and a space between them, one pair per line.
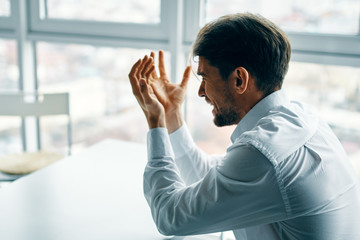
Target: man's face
217, 93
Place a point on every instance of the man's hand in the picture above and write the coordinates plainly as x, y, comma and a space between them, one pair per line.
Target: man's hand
170, 95
140, 76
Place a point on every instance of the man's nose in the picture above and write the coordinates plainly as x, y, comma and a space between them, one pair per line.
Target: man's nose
201, 91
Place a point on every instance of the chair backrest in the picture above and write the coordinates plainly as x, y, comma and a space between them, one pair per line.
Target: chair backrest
24, 104
35, 104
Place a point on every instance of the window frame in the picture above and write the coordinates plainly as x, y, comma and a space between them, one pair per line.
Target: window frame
326, 48
112, 30
7, 24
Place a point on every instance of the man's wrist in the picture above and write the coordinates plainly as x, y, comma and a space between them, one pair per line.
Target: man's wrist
174, 120
156, 121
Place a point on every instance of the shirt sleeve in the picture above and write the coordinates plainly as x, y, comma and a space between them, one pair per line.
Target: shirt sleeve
229, 196
192, 162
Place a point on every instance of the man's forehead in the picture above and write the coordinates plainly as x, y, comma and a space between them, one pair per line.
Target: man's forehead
202, 65
205, 68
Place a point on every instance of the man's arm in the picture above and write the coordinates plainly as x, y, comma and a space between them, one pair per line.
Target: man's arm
241, 192
192, 162
223, 199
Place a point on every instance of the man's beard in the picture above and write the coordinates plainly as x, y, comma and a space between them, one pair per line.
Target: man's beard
226, 117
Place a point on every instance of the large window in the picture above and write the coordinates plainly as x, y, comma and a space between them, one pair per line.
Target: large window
86, 48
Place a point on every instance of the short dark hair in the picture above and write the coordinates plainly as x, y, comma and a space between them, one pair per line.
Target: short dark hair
247, 40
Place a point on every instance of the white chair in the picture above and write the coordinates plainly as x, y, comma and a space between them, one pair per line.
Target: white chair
17, 104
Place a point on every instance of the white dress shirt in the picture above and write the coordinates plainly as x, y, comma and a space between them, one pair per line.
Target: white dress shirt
286, 176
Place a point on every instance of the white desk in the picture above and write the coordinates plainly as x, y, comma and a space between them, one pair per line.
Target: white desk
93, 195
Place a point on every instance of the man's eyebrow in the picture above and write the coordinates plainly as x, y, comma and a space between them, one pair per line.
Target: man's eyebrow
201, 74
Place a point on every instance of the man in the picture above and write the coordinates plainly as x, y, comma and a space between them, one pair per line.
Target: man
286, 176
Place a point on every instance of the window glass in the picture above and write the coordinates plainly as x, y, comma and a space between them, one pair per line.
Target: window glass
134, 11
10, 136
101, 101
9, 72
4, 8
321, 16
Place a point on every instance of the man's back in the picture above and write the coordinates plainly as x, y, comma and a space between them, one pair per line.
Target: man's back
319, 188
326, 194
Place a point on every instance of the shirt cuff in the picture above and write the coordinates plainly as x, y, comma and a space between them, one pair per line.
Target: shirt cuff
158, 144
181, 141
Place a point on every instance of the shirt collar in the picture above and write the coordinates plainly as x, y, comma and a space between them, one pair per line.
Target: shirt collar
259, 111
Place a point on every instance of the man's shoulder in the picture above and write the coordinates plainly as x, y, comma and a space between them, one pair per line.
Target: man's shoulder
281, 131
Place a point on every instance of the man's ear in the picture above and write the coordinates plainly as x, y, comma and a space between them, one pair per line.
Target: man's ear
241, 80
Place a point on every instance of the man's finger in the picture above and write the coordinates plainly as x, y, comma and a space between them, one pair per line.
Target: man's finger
162, 64
141, 67
132, 77
149, 72
147, 66
186, 77
134, 68
153, 74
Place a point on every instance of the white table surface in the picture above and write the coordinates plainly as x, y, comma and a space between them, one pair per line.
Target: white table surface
96, 194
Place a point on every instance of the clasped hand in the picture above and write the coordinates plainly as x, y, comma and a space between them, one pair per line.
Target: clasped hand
159, 99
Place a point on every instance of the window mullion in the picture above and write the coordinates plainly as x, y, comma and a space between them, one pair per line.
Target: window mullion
175, 28
358, 34
26, 70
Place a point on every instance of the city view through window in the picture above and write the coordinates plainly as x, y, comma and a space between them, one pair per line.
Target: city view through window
102, 105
